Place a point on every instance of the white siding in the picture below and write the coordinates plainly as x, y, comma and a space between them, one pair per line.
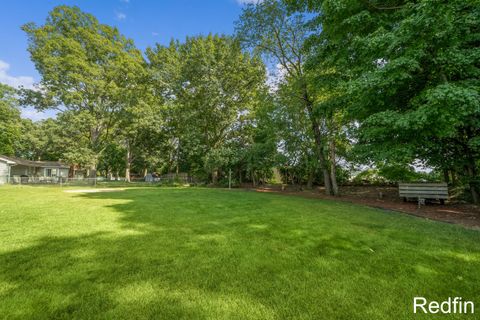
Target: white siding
3, 172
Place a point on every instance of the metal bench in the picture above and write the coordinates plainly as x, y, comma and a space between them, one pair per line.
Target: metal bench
423, 191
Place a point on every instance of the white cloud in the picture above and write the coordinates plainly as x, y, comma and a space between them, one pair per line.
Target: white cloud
155, 34
125, 1
120, 16
13, 81
28, 83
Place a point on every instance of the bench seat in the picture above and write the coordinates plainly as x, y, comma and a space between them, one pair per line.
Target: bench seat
423, 191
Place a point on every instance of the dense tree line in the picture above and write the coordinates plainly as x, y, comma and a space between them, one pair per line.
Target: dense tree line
408, 74
386, 84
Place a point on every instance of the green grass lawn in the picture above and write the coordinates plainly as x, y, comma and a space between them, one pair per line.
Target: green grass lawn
166, 253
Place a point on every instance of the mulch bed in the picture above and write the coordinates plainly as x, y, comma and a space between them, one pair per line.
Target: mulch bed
387, 198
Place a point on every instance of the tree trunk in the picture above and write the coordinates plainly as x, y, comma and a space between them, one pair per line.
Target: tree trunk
446, 176
128, 162
333, 167
94, 141
474, 192
454, 177
472, 175
321, 158
333, 177
319, 144
310, 180
93, 171
145, 172
127, 173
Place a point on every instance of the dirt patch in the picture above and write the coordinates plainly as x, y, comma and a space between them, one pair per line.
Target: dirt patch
94, 190
387, 198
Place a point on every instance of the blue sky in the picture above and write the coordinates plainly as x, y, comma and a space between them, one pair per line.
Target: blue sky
145, 21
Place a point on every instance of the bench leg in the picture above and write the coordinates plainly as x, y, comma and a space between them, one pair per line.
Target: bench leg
420, 202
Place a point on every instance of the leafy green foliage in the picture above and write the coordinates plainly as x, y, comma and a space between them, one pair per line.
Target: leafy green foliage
211, 89
386, 84
409, 72
41, 140
88, 69
10, 129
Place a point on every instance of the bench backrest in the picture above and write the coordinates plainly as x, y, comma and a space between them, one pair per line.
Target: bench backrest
423, 190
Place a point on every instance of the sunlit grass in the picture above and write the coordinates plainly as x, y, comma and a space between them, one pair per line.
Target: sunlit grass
167, 253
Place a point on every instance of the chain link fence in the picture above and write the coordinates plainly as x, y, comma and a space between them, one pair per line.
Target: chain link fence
80, 181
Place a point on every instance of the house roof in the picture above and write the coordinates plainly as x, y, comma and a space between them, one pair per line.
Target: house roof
6, 160
36, 164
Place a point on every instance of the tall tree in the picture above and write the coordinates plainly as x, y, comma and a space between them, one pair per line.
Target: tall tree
270, 29
413, 77
210, 87
296, 141
87, 68
140, 132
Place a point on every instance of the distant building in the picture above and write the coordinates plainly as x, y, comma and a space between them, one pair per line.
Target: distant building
5, 165
11, 167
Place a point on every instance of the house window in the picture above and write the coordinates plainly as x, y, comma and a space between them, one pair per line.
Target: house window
48, 172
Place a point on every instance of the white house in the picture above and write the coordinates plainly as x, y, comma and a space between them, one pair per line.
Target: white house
5, 165
16, 168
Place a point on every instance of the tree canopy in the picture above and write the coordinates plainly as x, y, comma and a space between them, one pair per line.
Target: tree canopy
410, 72
9, 120
312, 90
89, 70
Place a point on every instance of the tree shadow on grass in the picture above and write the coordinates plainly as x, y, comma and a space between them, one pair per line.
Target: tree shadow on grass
202, 254
98, 276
